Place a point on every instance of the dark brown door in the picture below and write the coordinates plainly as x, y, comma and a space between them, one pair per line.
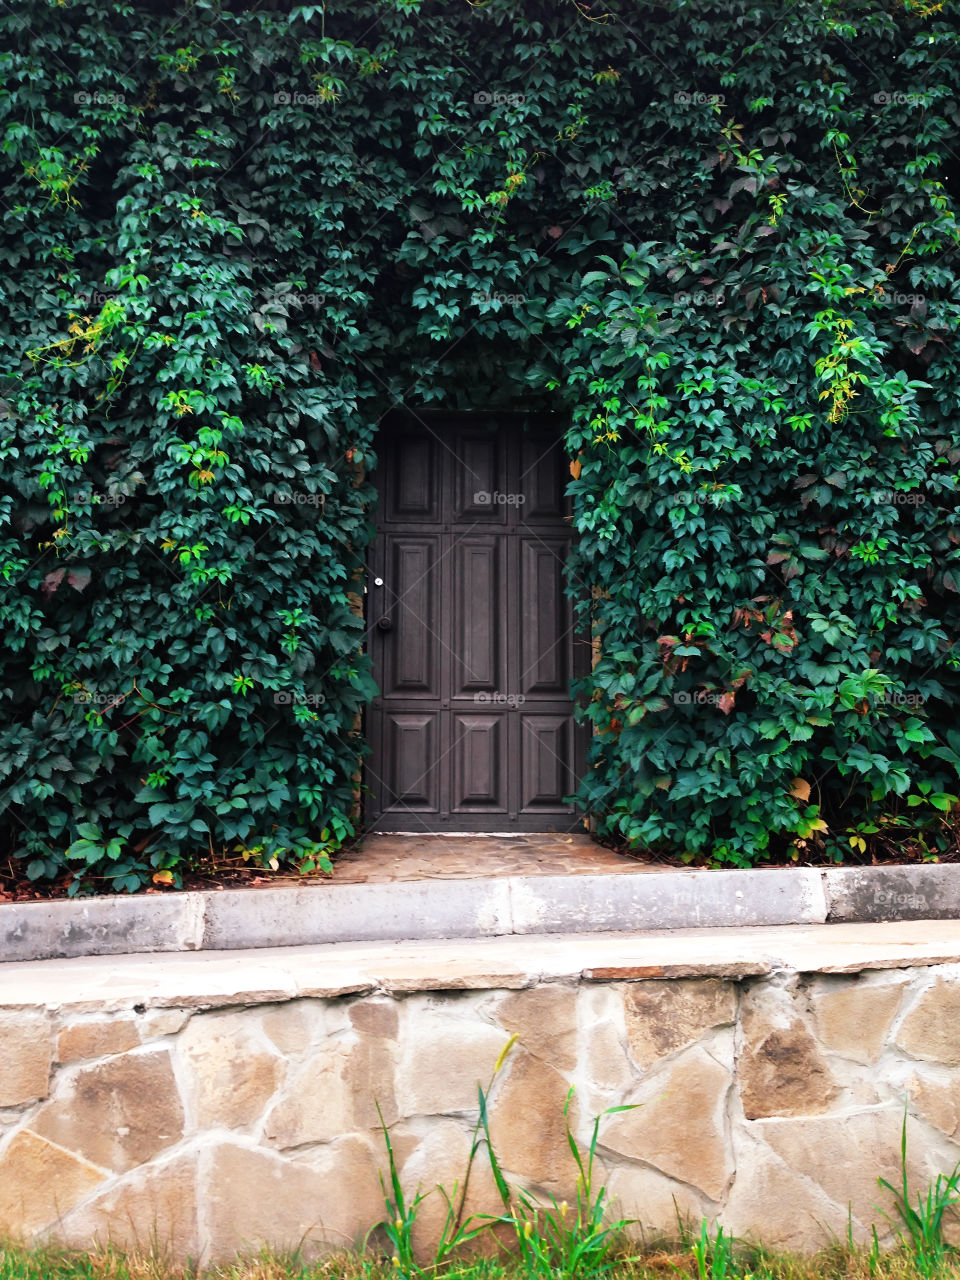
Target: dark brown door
471, 633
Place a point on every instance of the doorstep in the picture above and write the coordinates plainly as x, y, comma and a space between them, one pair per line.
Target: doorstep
398, 888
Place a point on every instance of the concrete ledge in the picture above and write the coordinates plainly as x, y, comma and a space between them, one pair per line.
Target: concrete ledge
240, 919
211, 979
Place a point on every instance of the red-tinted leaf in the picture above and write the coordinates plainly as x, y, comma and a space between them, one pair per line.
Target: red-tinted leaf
52, 581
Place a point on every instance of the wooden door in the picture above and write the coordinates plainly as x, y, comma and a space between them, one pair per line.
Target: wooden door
471, 633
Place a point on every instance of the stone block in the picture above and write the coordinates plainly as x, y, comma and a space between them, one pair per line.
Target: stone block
528, 1128
782, 1070
39, 1182
357, 913
24, 1058
853, 1017
373, 1017
439, 1159
679, 1125
335, 1092
652, 1201
96, 1038
662, 1017
931, 1028
162, 1022
844, 1154
230, 1072
153, 1210
545, 1019
114, 925
607, 1064
443, 1060
774, 1205
893, 893
938, 1100
118, 1113
294, 1027
667, 900
255, 1198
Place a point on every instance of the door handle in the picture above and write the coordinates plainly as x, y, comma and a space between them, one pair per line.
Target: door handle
385, 623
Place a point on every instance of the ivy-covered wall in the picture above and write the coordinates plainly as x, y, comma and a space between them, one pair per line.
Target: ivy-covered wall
720, 237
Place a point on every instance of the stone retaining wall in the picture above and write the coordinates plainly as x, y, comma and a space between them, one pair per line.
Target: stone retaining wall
770, 1103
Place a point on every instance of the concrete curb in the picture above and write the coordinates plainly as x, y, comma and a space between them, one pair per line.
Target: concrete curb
241, 919
893, 893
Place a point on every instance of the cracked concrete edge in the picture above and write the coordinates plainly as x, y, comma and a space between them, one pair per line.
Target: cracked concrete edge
239, 919
67, 928
930, 891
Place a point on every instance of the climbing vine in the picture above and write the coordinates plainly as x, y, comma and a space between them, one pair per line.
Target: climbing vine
720, 241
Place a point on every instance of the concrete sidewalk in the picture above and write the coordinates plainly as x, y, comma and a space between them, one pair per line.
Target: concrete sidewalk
440, 887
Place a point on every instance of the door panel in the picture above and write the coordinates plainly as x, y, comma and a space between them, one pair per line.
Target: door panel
479, 479
413, 490
543, 477
412, 782
479, 764
470, 629
545, 762
411, 662
545, 624
477, 641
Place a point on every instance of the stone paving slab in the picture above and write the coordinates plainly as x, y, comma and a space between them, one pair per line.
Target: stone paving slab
381, 859
220, 979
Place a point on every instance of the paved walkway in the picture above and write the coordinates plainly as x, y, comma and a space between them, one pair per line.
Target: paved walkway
381, 859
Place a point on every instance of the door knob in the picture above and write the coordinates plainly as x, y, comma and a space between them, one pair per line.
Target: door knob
385, 623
